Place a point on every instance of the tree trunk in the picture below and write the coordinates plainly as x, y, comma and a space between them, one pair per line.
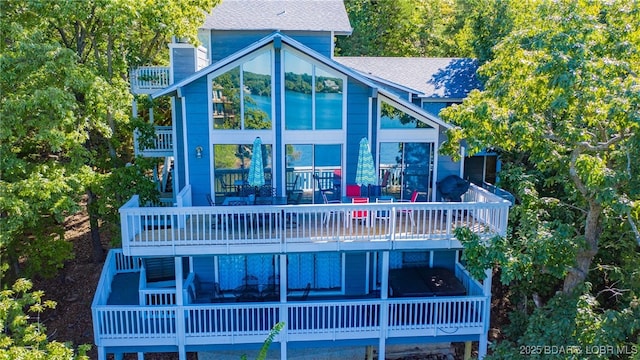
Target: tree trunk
98, 252
585, 255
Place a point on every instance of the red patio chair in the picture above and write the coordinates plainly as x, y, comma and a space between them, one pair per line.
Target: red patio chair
409, 212
358, 214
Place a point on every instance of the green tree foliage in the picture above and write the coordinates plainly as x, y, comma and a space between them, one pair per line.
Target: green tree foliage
435, 28
42, 153
380, 28
66, 125
21, 335
561, 104
275, 330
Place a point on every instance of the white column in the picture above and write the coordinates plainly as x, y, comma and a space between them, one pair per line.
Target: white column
384, 306
102, 353
283, 306
486, 287
180, 328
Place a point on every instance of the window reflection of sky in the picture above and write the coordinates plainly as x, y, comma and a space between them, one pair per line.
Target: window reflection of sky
261, 64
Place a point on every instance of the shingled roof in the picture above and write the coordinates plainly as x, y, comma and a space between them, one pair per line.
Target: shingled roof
450, 78
304, 15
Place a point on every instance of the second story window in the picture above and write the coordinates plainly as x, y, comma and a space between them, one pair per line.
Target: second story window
313, 95
241, 97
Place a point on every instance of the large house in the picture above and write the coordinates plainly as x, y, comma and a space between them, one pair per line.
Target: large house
302, 188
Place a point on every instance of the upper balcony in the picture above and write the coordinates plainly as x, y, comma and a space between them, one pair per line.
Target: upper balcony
186, 230
148, 79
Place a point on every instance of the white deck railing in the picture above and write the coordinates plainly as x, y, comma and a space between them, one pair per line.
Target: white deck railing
162, 143
310, 320
148, 79
253, 229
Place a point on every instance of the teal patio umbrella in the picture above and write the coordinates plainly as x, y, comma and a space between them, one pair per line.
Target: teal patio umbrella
365, 172
256, 167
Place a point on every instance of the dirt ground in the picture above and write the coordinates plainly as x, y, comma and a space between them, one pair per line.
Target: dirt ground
73, 291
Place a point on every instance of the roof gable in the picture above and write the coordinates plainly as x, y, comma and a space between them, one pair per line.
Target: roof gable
277, 39
304, 15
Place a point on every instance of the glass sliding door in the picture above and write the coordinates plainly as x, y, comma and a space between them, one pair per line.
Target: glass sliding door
234, 270
322, 271
318, 168
231, 166
410, 167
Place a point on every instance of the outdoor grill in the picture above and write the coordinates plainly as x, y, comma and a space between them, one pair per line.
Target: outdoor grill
452, 187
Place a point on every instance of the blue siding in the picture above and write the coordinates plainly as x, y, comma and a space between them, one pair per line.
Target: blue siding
434, 107
225, 43
197, 112
318, 41
355, 273
445, 259
357, 125
446, 166
183, 63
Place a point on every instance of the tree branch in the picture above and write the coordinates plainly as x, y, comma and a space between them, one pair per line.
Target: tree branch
583, 147
634, 227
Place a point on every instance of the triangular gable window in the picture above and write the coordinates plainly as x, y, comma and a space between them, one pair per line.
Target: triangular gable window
393, 118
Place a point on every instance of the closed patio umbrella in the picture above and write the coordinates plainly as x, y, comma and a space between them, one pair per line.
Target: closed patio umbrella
256, 167
365, 172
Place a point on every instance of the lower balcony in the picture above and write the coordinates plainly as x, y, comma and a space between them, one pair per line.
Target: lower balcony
197, 326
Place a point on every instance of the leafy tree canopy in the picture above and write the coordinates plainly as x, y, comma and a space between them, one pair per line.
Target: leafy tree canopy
561, 104
21, 335
66, 125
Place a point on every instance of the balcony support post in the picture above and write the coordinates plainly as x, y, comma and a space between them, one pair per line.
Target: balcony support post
102, 353
180, 328
486, 288
384, 306
283, 306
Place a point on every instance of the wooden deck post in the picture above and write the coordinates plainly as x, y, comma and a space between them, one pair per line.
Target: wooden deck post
467, 350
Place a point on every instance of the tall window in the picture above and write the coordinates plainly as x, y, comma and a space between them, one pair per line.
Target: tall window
313, 96
242, 96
